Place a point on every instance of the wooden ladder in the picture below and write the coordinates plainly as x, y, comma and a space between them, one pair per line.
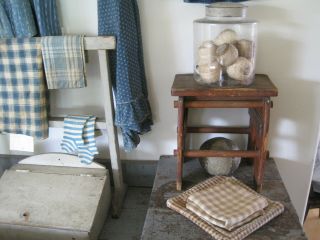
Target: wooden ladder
103, 45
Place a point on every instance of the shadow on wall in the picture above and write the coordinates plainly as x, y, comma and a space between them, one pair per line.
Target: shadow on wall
295, 116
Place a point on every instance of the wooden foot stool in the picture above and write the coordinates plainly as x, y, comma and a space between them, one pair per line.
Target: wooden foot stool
255, 97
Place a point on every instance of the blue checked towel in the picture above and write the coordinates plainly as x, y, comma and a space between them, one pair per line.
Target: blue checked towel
17, 18
64, 61
23, 108
120, 18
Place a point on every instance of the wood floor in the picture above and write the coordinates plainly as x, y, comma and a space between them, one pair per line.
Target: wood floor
312, 225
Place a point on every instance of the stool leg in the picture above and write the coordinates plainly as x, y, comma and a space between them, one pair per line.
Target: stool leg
252, 135
259, 163
180, 147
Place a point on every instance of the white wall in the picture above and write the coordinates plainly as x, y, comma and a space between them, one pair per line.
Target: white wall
288, 52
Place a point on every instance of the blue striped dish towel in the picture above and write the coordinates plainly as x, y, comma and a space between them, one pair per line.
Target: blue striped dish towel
79, 137
64, 61
23, 98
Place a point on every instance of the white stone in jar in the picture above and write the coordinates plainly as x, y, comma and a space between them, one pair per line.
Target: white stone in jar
245, 48
209, 73
206, 53
241, 70
226, 54
226, 36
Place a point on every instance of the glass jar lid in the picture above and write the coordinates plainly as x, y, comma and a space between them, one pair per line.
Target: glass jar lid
226, 9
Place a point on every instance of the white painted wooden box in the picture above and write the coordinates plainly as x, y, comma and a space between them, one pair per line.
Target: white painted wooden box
40, 202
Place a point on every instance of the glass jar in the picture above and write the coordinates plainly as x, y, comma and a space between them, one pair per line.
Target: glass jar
225, 44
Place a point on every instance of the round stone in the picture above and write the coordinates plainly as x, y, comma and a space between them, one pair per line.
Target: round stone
218, 166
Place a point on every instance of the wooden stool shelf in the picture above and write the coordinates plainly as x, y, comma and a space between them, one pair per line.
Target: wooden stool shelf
255, 97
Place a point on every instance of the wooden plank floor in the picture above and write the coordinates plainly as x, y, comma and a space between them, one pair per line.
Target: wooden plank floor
312, 224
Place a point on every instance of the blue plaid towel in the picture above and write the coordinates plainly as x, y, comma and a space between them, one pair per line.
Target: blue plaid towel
23, 108
120, 18
64, 61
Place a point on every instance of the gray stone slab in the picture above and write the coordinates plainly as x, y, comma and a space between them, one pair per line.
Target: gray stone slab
137, 198
163, 223
129, 225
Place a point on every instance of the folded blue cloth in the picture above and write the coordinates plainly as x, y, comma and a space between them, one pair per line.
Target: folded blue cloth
64, 61
120, 18
47, 17
23, 102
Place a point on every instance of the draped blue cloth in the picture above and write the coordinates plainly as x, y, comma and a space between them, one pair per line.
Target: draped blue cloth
120, 18
6, 30
21, 18
212, 1
47, 17
28, 18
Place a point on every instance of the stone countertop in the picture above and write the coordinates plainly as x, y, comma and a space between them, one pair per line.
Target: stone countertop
164, 223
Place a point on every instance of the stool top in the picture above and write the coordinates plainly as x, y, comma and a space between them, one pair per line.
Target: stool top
185, 86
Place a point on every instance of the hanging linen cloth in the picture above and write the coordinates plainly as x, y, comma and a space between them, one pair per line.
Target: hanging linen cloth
120, 18
23, 102
64, 61
23, 18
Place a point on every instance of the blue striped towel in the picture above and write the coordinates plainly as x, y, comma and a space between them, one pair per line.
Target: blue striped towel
64, 61
79, 137
23, 103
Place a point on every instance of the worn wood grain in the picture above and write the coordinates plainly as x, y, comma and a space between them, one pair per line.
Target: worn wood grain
185, 85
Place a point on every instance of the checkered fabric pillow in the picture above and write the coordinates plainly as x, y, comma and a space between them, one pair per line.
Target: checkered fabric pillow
179, 202
226, 205
23, 104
